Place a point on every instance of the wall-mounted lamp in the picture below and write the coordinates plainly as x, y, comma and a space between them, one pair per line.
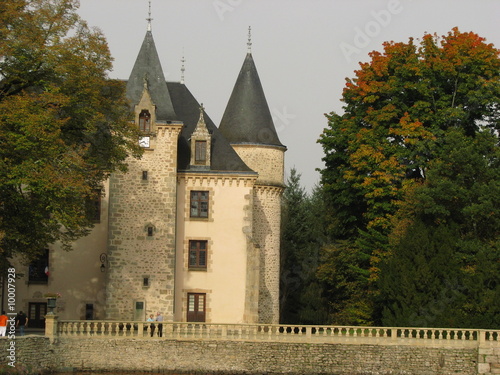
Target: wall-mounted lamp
104, 261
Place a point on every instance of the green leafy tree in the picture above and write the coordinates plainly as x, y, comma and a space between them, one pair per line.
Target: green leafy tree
397, 112
64, 126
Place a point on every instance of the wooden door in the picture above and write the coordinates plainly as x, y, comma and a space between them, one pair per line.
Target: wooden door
36, 314
196, 307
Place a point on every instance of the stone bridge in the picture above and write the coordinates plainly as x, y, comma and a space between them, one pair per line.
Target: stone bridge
204, 348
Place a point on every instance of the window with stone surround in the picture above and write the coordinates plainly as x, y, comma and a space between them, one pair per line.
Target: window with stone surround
196, 307
93, 206
197, 255
200, 152
199, 204
145, 121
38, 269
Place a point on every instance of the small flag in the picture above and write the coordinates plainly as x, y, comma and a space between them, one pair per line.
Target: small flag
47, 271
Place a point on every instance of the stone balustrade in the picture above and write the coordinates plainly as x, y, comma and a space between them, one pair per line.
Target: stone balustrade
432, 337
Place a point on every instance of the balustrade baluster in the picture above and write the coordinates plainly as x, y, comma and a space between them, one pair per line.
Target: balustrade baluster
224, 332
307, 333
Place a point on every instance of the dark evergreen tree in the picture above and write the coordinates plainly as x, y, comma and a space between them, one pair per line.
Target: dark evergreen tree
301, 300
447, 234
420, 284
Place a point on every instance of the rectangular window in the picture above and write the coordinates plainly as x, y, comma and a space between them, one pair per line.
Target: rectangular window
200, 152
198, 254
144, 121
139, 313
199, 204
93, 208
89, 311
196, 307
38, 271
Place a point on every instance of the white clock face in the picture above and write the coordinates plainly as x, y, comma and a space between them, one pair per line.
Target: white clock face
144, 141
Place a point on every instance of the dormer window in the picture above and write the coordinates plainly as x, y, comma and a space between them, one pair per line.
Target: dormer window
200, 143
200, 152
145, 121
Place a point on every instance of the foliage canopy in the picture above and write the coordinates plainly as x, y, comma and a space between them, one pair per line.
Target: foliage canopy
64, 126
416, 148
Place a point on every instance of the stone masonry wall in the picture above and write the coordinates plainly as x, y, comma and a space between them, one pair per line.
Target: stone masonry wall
26, 355
232, 357
268, 161
266, 232
139, 202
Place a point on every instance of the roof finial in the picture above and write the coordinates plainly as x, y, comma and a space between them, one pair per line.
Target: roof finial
149, 19
249, 43
202, 118
183, 69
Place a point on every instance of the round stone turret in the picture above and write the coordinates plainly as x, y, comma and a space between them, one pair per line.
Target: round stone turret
248, 125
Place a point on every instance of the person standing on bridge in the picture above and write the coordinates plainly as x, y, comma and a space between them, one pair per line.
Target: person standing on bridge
3, 323
21, 322
159, 318
152, 326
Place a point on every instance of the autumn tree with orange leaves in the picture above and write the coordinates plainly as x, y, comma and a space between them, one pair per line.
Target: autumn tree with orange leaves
398, 114
64, 126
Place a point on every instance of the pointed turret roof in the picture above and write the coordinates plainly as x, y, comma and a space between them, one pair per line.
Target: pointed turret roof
147, 71
247, 118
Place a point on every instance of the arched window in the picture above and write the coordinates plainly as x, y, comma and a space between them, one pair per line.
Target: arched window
145, 121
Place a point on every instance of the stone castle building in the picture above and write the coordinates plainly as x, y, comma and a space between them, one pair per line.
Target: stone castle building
192, 229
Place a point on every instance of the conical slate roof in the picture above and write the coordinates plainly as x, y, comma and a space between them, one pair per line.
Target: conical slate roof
247, 118
147, 70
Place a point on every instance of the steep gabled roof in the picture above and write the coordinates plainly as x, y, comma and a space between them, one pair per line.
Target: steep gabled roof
223, 156
247, 118
147, 70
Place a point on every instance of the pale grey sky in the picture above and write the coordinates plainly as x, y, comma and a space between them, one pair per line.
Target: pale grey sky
303, 50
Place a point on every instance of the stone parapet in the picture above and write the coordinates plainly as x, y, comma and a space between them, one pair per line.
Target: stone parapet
255, 349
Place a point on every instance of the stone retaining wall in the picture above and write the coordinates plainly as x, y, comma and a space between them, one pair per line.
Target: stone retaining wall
231, 357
